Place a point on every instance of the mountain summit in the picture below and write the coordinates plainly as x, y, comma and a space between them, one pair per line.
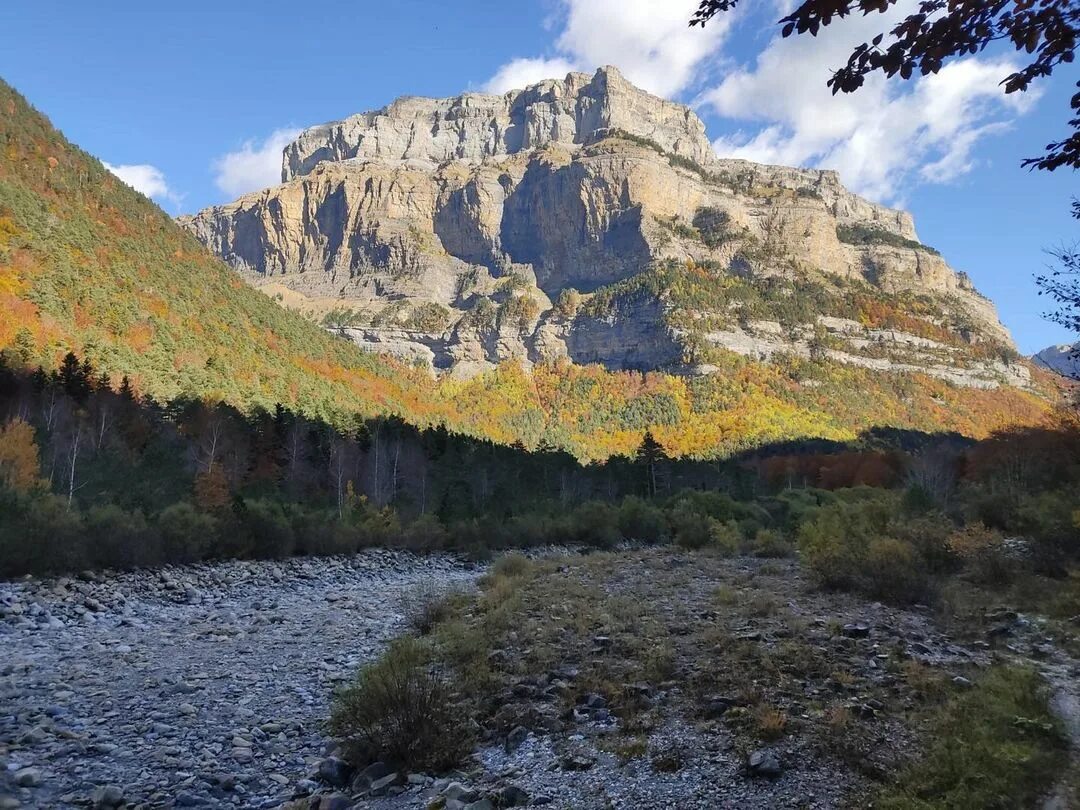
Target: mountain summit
585, 218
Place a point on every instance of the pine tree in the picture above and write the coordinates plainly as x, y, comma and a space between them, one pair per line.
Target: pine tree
651, 456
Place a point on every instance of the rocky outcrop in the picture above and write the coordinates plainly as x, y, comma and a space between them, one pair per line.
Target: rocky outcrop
491, 208
472, 127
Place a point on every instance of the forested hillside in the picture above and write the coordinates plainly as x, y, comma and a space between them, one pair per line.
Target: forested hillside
94, 475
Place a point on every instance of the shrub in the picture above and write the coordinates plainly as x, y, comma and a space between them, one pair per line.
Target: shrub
869, 235
404, 710
429, 317
568, 302
768, 543
325, 536
929, 535
428, 604
641, 520
997, 745
714, 225
596, 523
691, 529
425, 533
186, 533
39, 534
269, 528
519, 311
1050, 519
893, 571
832, 546
852, 544
116, 538
981, 550
725, 538
482, 315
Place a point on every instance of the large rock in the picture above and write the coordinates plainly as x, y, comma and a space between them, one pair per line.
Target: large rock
419, 215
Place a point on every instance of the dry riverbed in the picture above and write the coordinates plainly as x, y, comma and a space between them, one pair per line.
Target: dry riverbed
648, 678
193, 686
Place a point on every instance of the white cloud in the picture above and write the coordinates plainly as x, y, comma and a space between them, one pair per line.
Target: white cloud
145, 179
522, 72
888, 134
649, 41
254, 165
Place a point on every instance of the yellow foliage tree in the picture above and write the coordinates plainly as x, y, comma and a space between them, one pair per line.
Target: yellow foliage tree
20, 469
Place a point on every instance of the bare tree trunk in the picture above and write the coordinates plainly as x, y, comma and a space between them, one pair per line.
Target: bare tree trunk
394, 476
50, 410
73, 457
102, 427
376, 486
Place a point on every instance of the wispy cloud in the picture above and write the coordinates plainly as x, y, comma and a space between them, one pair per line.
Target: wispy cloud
146, 179
255, 165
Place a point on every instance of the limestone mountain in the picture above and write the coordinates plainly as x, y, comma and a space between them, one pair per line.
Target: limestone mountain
584, 218
1061, 359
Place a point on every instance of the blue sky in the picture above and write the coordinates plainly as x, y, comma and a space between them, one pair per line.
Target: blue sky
195, 100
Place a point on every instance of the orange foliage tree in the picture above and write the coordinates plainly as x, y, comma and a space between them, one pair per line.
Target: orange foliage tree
20, 468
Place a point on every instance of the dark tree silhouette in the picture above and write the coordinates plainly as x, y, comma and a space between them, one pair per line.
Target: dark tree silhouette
651, 456
940, 30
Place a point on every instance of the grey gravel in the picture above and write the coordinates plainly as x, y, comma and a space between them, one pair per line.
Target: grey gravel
191, 686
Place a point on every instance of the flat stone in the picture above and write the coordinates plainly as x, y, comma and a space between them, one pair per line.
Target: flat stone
28, 777
381, 787
764, 763
335, 772
106, 797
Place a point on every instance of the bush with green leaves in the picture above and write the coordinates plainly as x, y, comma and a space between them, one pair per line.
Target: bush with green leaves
642, 521
596, 523
997, 745
860, 234
771, 543
725, 539
429, 317
269, 530
404, 710
714, 226
39, 533
865, 542
187, 534
690, 528
121, 539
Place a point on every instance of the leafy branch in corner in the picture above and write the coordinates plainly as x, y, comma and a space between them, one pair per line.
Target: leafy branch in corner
940, 30
1063, 282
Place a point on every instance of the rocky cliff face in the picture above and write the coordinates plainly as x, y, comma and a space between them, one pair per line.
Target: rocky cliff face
585, 218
